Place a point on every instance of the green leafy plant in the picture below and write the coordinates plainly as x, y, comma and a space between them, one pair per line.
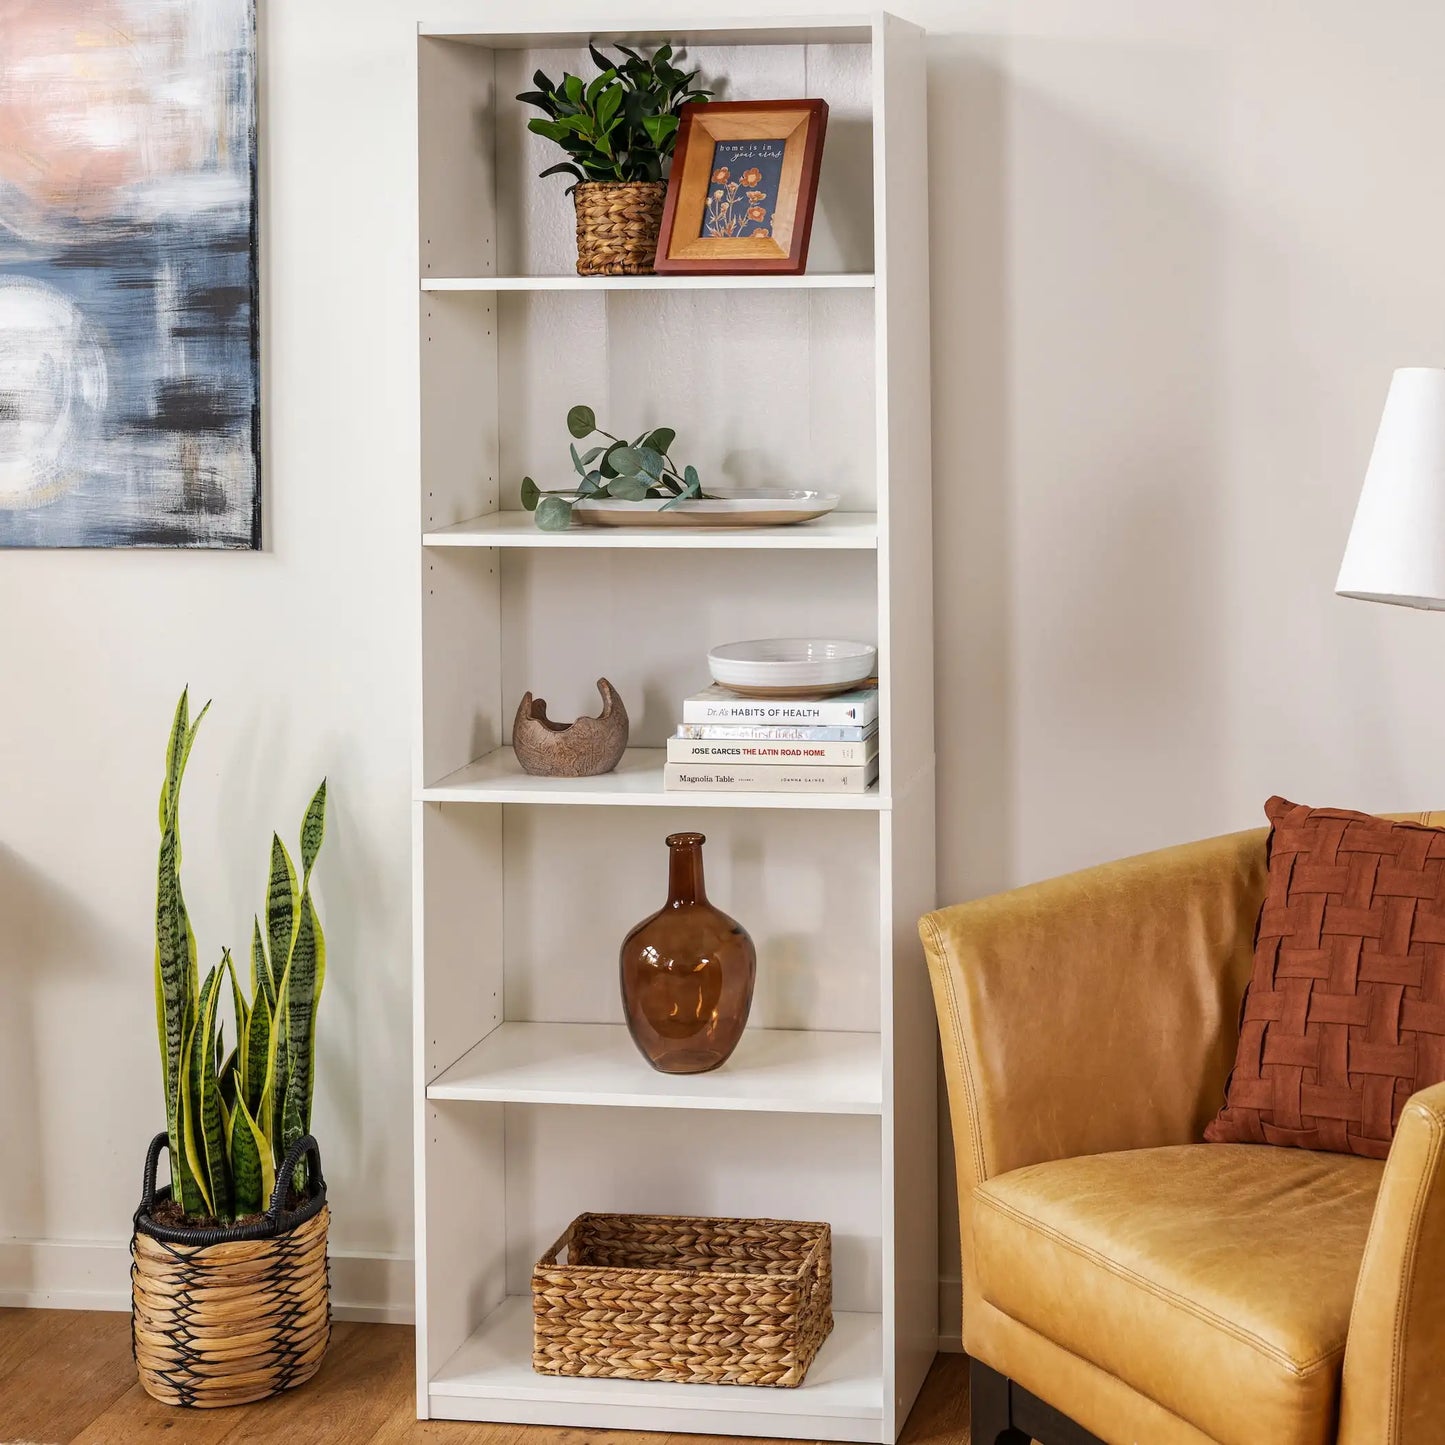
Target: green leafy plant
232, 1115
627, 470
619, 126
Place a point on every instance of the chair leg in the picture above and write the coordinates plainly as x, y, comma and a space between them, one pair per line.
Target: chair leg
990, 1415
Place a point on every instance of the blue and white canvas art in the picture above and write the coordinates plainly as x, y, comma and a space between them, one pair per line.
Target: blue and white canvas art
129, 387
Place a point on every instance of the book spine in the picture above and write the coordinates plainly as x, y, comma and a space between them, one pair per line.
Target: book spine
765, 778
778, 733
812, 714
701, 750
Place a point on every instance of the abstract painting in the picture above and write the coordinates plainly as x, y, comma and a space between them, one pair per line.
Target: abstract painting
129, 386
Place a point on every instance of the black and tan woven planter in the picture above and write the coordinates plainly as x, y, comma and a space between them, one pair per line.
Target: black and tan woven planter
698, 1301
617, 226
228, 1316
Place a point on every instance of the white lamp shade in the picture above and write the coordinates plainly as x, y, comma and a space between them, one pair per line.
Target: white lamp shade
1396, 551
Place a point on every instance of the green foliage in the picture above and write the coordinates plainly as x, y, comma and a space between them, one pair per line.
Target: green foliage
231, 1116
621, 125
630, 471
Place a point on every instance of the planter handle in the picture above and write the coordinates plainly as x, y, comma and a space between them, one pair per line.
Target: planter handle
148, 1181
304, 1148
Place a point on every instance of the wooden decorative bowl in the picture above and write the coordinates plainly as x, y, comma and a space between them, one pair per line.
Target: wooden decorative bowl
580, 749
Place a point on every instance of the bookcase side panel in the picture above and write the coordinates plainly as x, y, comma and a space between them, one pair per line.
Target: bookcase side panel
462, 705
456, 99
842, 238
462, 930
457, 1000
910, 1123
459, 406
464, 1260
905, 463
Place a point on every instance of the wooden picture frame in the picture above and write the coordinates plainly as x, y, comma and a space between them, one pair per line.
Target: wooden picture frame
734, 159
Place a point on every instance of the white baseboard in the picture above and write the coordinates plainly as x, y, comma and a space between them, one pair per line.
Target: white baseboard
376, 1288
95, 1275
950, 1316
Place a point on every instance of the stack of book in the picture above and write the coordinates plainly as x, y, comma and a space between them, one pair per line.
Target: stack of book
731, 743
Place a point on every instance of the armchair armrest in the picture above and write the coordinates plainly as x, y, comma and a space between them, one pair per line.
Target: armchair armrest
1393, 1392
1096, 1011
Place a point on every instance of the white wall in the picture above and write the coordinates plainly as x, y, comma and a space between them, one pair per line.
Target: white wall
1177, 250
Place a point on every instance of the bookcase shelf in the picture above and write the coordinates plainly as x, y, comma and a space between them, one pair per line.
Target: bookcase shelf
491, 1377
838, 530
635, 782
531, 1103
811, 281
783, 1071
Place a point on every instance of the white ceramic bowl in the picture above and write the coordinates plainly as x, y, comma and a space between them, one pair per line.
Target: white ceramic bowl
772, 665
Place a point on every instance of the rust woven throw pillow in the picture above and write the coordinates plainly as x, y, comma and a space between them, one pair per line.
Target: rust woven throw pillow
1344, 1017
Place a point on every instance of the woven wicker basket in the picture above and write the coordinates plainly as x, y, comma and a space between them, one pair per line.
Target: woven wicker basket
227, 1316
700, 1301
617, 226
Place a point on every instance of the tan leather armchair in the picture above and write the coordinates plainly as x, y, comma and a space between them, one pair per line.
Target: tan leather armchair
1123, 1281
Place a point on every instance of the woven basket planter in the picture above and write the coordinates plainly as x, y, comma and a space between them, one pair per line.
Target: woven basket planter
228, 1316
698, 1301
617, 226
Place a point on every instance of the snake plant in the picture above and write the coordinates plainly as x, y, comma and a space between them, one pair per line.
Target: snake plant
232, 1115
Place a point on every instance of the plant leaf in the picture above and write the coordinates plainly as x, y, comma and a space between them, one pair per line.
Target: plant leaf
550, 129
606, 467
659, 127
596, 86
239, 1006
306, 975
313, 832
257, 1045
562, 168
263, 986
175, 952
652, 462
283, 896
228, 1079
554, 514
273, 1092
581, 421
694, 484
572, 88
199, 1199
661, 440
251, 1163
626, 461
608, 104
598, 58
628, 489
206, 1087
531, 494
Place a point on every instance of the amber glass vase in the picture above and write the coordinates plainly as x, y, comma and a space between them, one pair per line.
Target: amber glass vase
687, 972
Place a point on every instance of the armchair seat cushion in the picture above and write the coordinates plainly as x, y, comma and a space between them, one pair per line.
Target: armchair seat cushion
1215, 1280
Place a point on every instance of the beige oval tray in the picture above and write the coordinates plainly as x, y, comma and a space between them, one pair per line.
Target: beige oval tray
721, 508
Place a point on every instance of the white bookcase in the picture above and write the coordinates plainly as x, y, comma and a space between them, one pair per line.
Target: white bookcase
531, 1104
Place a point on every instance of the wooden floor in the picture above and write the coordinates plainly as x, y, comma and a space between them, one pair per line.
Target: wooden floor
66, 1378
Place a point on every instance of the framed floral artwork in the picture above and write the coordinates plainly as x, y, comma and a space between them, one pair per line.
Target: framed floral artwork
744, 179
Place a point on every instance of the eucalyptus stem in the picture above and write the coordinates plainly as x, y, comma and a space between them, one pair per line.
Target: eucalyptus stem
633, 471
